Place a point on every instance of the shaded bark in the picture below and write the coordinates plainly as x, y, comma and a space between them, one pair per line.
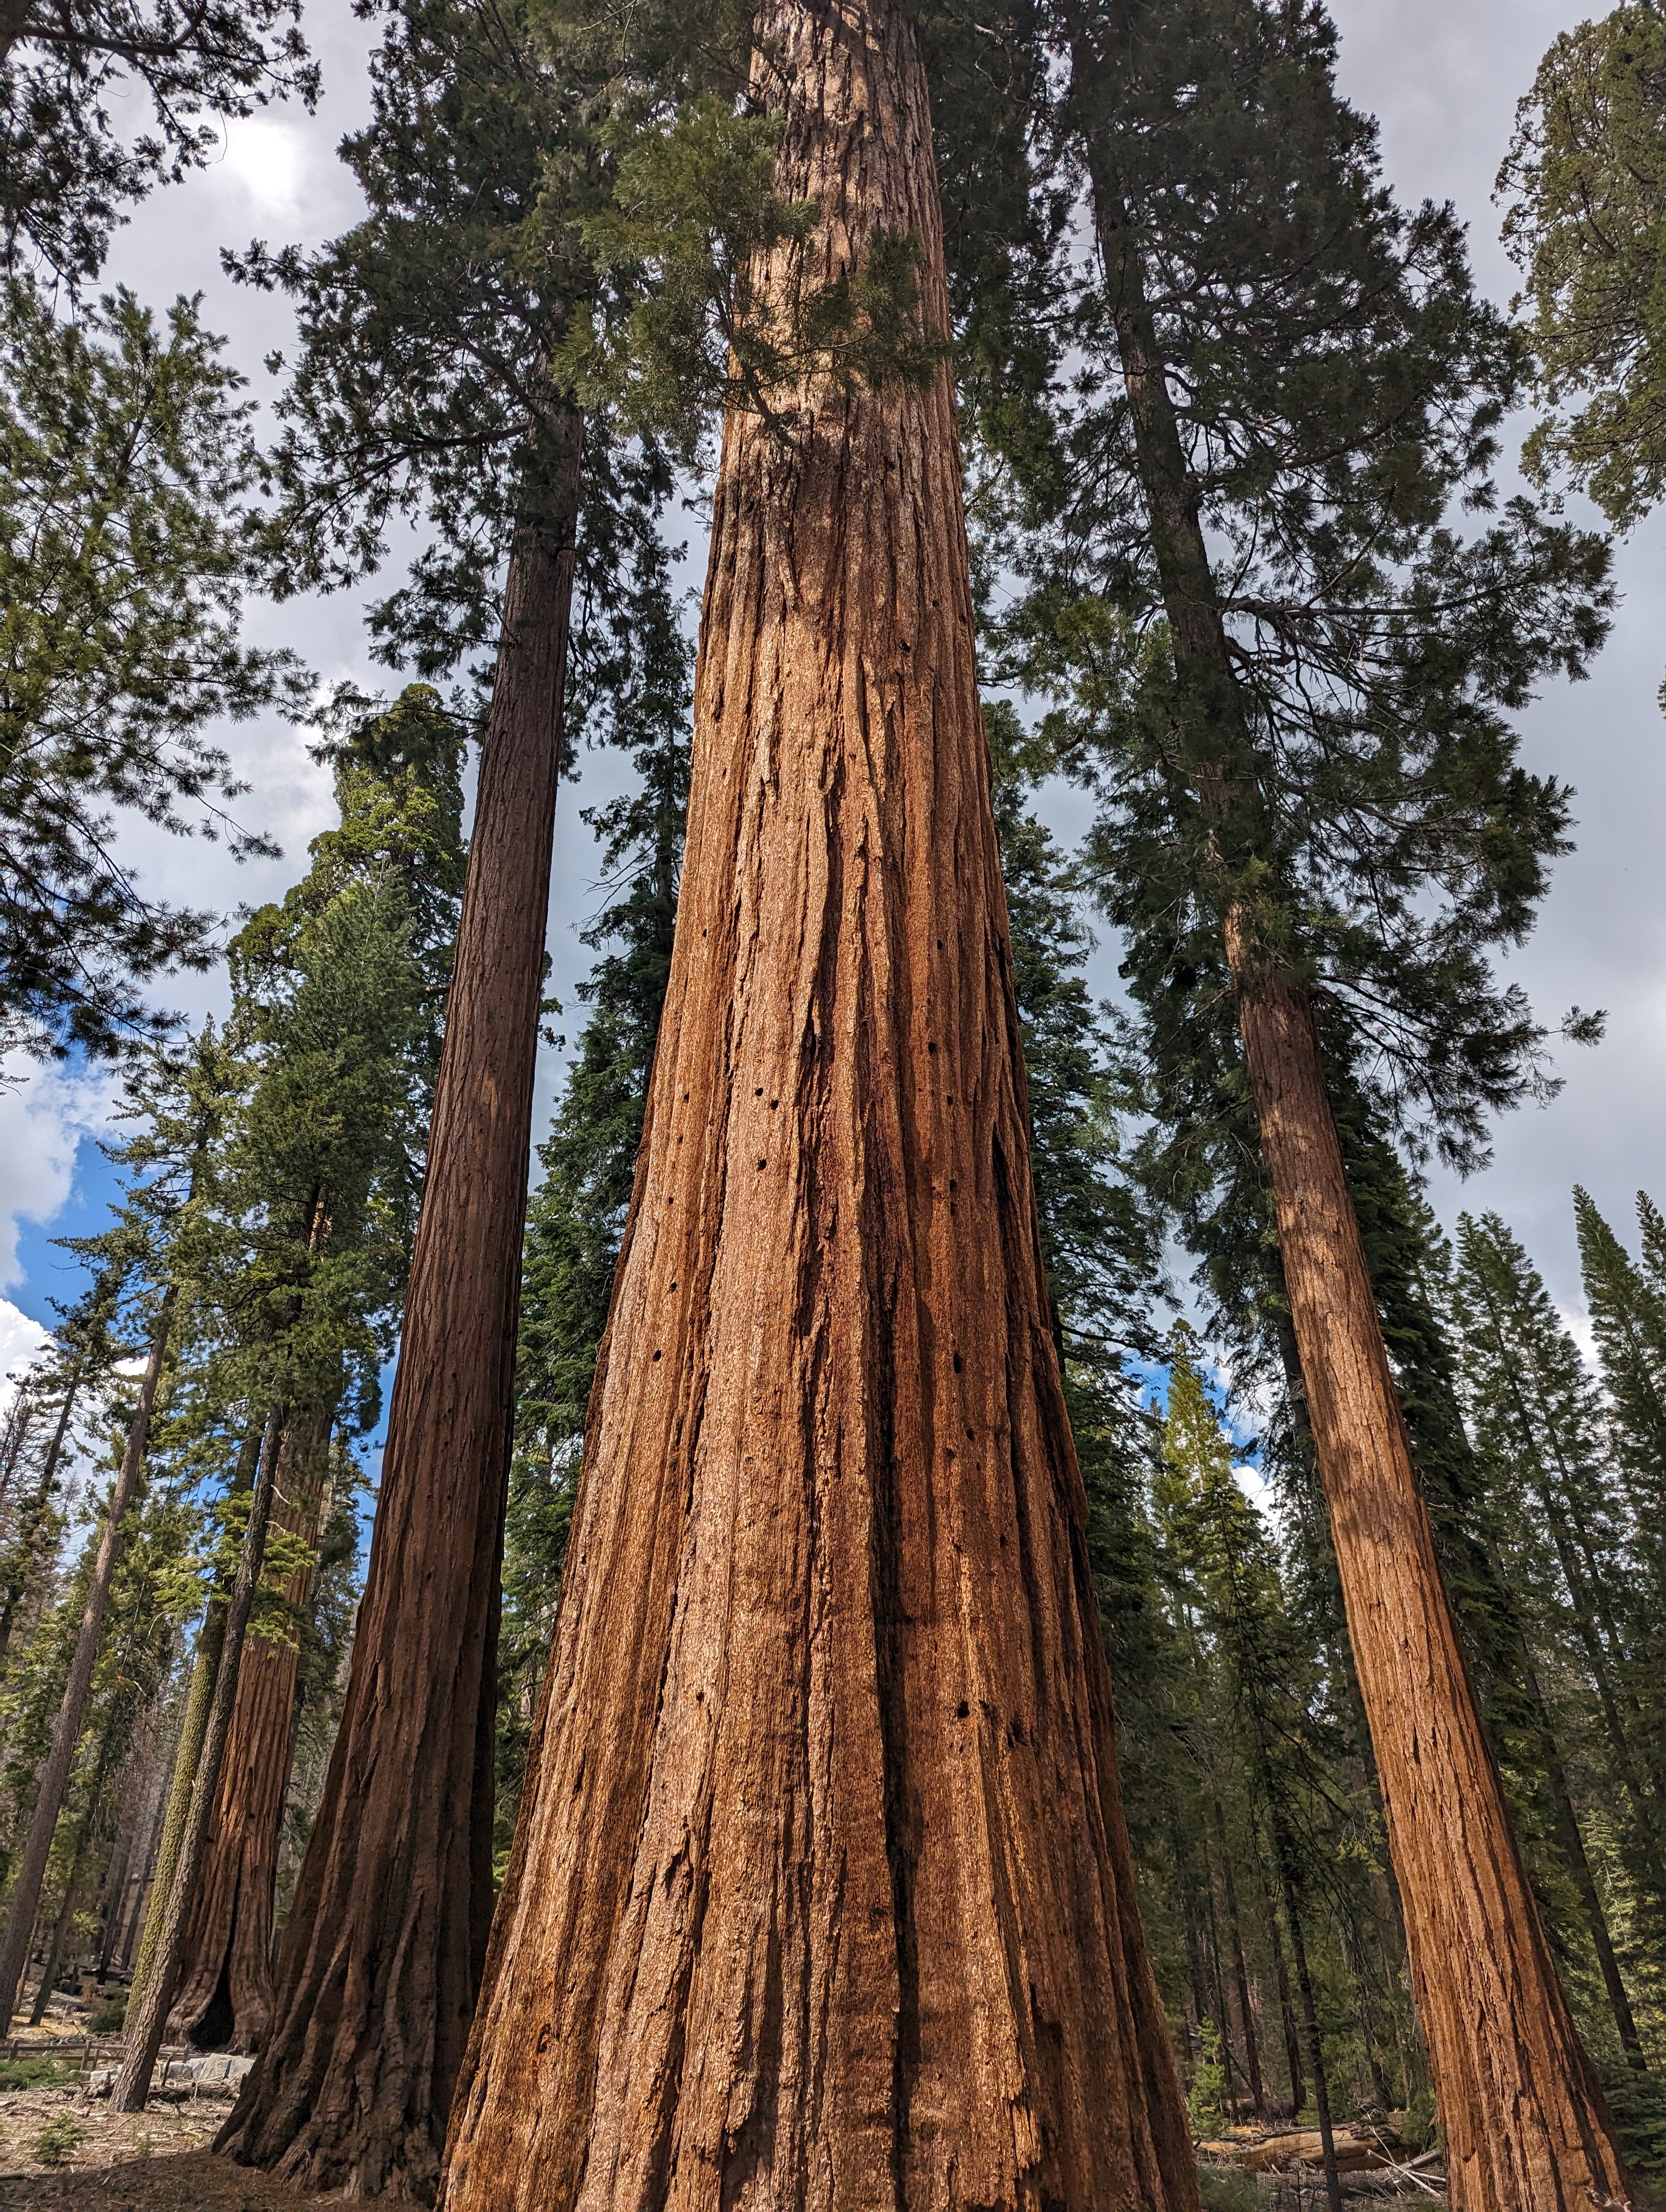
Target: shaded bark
1526, 2126
148, 2008
225, 1981
66, 1729
381, 1957
821, 1892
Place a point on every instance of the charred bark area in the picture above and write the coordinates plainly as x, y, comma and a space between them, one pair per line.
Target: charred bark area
820, 1893
380, 1962
224, 1996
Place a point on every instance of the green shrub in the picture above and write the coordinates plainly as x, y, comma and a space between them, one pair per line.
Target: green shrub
1229, 2189
1638, 2102
35, 2073
58, 2141
1203, 2105
109, 2014
1417, 2129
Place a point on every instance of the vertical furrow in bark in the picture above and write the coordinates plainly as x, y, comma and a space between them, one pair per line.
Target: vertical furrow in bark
822, 1895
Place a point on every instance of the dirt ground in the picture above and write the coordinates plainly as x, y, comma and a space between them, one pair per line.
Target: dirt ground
162, 2184
156, 2160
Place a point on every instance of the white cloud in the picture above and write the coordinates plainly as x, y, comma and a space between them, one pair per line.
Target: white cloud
1575, 1320
19, 1339
1255, 1487
272, 160
42, 1122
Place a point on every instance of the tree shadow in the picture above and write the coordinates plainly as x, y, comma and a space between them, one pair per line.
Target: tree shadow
192, 2181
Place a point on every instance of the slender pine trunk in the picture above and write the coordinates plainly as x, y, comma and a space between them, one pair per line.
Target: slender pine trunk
148, 2010
1315, 2057
1292, 2035
1241, 1970
1190, 2028
66, 1731
1366, 2009
1574, 1855
112, 1907
21, 1418
141, 1881
820, 1893
1220, 2010
1581, 1614
381, 1959
66, 1910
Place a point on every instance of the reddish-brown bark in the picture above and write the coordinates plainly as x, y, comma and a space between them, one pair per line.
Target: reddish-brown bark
1525, 2124
821, 1894
380, 1961
225, 1986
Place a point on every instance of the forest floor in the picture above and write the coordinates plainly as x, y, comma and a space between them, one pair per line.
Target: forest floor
62, 2149
196, 2182
97, 2161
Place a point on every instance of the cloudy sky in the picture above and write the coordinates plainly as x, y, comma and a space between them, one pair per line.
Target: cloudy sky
1444, 80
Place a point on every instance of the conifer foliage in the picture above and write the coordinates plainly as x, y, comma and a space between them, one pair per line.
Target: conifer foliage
126, 467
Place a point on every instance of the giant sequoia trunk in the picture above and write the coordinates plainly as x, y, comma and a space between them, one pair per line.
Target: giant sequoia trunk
380, 1962
224, 1994
821, 1893
1525, 2124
